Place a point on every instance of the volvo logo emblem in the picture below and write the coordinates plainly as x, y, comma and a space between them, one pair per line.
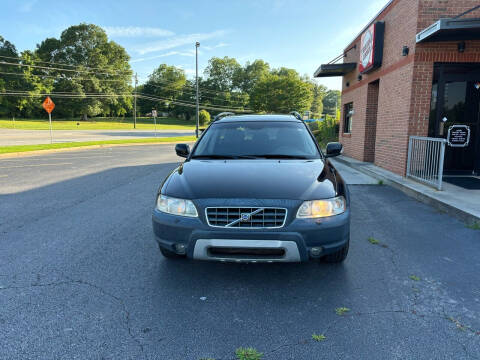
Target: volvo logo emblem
245, 217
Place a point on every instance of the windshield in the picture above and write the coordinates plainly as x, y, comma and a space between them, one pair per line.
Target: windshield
262, 139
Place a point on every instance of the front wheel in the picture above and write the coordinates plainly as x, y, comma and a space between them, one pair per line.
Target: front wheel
338, 256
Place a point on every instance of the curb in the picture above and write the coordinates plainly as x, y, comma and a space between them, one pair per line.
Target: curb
86, 147
417, 195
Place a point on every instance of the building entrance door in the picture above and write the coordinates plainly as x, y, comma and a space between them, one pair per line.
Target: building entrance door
458, 110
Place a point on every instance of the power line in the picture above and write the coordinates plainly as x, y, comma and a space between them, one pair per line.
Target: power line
192, 105
185, 102
100, 95
52, 68
192, 92
193, 87
55, 63
59, 77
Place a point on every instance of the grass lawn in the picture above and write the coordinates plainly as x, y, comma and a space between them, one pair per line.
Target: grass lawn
99, 123
23, 148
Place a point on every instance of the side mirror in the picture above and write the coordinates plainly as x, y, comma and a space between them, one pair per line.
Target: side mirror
334, 149
182, 150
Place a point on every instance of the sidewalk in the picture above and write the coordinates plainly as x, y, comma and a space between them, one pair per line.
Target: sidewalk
454, 200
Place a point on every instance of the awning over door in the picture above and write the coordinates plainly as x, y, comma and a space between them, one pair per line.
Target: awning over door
326, 70
450, 30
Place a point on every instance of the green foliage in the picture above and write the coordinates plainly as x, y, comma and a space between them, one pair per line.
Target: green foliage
373, 241
221, 73
248, 354
320, 337
314, 125
341, 311
327, 131
414, 278
319, 92
281, 91
203, 117
84, 61
474, 226
165, 82
331, 102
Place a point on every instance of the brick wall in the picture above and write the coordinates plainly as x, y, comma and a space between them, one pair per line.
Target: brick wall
405, 82
395, 81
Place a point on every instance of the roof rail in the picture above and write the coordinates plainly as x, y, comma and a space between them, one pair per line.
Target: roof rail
222, 115
296, 114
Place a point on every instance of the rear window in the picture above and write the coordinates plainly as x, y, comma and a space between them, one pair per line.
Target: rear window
258, 139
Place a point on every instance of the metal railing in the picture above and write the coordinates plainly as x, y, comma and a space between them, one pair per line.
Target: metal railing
425, 160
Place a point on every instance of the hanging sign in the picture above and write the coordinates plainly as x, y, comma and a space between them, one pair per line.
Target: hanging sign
371, 48
458, 136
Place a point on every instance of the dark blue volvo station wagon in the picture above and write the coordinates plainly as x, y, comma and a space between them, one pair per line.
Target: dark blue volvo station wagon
254, 188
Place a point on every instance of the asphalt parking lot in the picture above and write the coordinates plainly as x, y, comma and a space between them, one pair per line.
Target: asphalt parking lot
82, 278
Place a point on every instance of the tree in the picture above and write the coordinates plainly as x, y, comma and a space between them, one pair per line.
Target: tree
95, 66
203, 117
331, 102
282, 91
319, 92
246, 77
220, 73
12, 80
166, 82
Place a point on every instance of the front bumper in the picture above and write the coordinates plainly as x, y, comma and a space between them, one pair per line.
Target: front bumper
295, 239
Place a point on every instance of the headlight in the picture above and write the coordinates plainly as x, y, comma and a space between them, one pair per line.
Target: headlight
175, 206
322, 208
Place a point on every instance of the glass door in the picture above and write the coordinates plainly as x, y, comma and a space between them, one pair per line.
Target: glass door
459, 104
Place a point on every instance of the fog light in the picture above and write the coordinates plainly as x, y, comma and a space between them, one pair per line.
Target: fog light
180, 248
315, 251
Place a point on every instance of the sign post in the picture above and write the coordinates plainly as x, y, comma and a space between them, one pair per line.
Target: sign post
154, 114
49, 105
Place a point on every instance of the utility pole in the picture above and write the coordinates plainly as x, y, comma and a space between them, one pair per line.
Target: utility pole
135, 104
197, 44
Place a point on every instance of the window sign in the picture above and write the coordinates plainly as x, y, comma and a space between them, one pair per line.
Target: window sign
458, 135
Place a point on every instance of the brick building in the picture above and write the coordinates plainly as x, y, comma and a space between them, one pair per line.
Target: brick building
413, 70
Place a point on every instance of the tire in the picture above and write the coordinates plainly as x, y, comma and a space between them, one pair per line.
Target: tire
338, 256
169, 254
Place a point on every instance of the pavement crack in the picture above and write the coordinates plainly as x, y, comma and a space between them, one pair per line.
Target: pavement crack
70, 281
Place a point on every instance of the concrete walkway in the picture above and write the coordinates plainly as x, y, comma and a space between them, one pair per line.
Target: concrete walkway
10, 137
454, 200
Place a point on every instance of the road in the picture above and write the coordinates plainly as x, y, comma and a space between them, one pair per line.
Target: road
81, 276
10, 137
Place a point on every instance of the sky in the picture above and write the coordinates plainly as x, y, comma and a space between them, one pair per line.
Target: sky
298, 34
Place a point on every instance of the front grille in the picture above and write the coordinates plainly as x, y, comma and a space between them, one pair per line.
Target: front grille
239, 217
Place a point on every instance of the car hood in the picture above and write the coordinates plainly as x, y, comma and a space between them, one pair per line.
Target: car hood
259, 179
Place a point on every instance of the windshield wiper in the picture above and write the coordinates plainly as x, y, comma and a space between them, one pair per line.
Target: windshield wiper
216, 156
281, 156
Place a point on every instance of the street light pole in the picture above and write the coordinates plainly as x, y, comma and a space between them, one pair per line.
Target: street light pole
135, 104
197, 44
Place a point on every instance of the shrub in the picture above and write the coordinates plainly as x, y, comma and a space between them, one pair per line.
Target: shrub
313, 125
204, 117
327, 131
